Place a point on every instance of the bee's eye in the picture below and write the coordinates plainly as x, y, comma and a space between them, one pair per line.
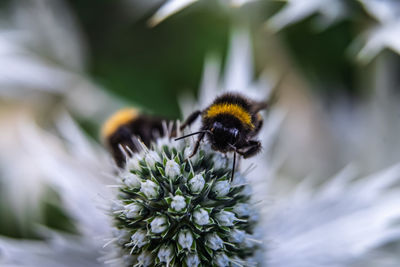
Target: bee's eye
217, 126
235, 132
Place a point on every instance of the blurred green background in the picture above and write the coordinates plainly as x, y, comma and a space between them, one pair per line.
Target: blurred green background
152, 66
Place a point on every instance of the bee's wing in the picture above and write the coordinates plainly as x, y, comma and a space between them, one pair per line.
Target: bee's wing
260, 105
272, 98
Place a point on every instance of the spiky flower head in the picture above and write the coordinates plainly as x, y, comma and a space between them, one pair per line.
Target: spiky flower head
174, 211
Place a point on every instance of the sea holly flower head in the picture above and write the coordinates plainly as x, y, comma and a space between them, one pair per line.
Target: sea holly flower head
179, 211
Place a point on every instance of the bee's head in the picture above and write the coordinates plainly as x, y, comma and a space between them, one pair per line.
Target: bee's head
223, 138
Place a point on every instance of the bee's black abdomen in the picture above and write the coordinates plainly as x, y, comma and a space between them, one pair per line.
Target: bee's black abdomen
146, 128
121, 139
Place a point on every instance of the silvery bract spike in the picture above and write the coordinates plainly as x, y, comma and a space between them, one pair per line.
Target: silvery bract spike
385, 33
42, 51
329, 12
173, 6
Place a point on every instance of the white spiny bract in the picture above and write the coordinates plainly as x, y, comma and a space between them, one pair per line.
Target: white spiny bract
177, 212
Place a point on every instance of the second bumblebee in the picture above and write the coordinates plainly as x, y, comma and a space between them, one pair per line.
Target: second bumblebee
120, 131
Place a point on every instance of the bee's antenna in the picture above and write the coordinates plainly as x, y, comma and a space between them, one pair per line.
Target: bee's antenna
199, 132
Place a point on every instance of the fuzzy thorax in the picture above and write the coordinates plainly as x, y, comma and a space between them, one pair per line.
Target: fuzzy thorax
231, 109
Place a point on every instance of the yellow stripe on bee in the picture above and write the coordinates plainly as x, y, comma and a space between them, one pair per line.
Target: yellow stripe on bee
232, 109
118, 119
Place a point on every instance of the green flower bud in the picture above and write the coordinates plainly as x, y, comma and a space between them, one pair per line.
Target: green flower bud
159, 224
201, 217
149, 189
178, 203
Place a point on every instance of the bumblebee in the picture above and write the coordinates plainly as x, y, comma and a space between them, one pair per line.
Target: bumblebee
230, 124
119, 130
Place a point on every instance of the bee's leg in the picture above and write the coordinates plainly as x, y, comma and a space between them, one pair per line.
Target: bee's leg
192, 117
250, 149
197, 145
258, 106
258, 125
